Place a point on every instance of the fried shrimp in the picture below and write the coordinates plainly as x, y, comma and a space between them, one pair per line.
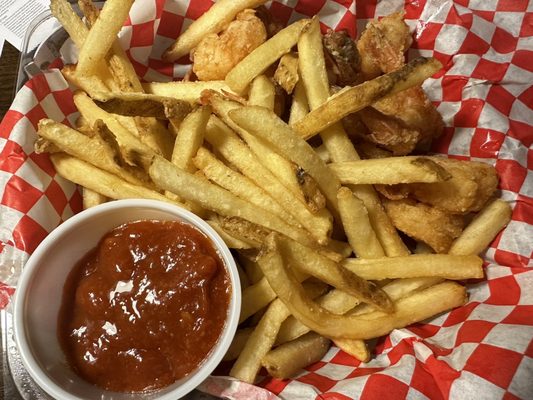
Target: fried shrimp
217, 54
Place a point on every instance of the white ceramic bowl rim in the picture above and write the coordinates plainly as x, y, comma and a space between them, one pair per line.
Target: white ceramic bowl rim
34, 262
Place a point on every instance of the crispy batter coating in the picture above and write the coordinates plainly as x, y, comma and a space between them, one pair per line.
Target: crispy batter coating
217, 54
427, 224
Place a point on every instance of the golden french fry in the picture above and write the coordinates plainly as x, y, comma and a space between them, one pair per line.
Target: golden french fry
266, 125
102, 35
483, 228
353, 99
418, 265
92, 198
312, 263
390, 171
263, 337
299, 105
262, 93
231, 241
234, 150
255, 297
417, 307
198, 190
252, 269
91, 84
212, 21
238, 343
182, 90
286, 74
189, 138
285, 361
100, 181
354, 347
264, 56
136, 104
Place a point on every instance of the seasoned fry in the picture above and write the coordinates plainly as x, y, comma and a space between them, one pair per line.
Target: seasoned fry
102, 35
263, 337
198, 190
262, 93
417, 307
100, 181
266, 125
357, 225
263, 56
483, 229
285, 361
286, 74
417, 265
142, 105
235, 151
353, 99
92, 198
390, 171
212, 21
182, 90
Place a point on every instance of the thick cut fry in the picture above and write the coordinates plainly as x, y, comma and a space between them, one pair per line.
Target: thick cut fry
262, 93
390, 171
93, 150
187, 91
212, 21
142, 105
483, 229
91, 84
238, 343
198, 190
231, 241
353, 99
299, 105
109, 185
419, 306
357, 225
266, 125
189, 138
92, 198
134, 151
255, 297
290, 176
285, 361
309, 262
286, 74
263, 337
235, 151
264, 56
417, 265
102, 35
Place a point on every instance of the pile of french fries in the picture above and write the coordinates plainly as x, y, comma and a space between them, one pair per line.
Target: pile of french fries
321, 261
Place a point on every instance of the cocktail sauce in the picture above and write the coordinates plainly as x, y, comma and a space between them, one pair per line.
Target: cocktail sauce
145, 307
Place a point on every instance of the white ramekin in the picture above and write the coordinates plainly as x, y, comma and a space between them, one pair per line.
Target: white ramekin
40, 288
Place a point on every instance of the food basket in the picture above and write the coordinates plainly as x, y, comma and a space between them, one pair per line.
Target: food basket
481, 350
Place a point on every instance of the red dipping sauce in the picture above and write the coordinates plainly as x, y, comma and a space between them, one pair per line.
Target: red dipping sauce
145, 307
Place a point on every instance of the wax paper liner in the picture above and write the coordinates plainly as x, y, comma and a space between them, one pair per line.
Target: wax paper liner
481, 350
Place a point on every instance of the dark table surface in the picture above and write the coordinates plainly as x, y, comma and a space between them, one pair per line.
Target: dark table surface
8, 76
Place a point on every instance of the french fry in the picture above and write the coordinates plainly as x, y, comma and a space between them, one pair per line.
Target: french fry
93, 150
264, 56
483, 229
299, 105
231, 241
255, 297
189, 138
198, 190
264, 124
354, 347
102, 35
235, 151
263, 337
286, 74
353, 99
100, 181
237, 344
252, 269
142, 105
417, 307
306, 260
90, 84
92, 198
323, 153
262, 93
285, 361
417, 265
390, 171
357, 225
212, 21
182, 90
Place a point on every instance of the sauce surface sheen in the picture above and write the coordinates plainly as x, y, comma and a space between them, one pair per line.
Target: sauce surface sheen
145, 307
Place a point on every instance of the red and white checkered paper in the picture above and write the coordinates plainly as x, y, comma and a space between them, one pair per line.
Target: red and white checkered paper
482, 350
